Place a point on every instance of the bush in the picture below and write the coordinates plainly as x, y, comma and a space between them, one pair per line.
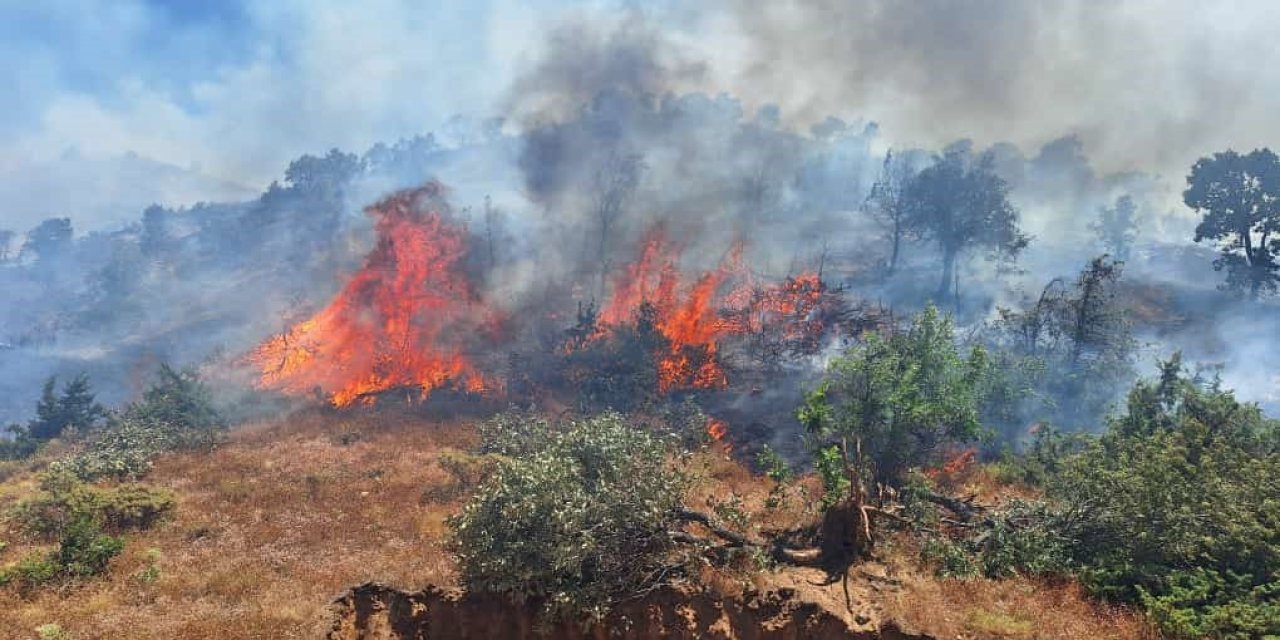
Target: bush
1177, 506
515, 433
180, 399
65, 501
123, 450
577, 523
83, 552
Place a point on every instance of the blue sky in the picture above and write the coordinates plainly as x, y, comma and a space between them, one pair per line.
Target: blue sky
239, 88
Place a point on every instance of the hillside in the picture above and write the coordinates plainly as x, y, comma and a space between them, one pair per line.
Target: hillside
286, 515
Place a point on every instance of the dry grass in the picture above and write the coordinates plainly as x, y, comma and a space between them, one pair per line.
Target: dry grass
287, 515
269, 528
1012, 608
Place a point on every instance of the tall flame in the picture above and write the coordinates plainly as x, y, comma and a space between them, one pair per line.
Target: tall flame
398, 323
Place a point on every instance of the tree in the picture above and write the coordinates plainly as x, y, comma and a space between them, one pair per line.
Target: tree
888, 204
75, 407
155, 230
961, 204
50, 239
1073, 344
1239, 197
615, 182
902, 397
1116, 227
6, 244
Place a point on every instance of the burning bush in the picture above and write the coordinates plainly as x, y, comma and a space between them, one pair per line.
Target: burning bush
578, 523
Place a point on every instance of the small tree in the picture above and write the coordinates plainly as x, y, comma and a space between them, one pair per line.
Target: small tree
1239, 197
50, 239
961, 204
902, 397
1116, 227
74, 407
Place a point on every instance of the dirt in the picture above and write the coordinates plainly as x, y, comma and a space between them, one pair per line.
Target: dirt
374, 611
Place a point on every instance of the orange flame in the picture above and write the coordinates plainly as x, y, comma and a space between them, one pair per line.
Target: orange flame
398, 323
695, 318
717, 429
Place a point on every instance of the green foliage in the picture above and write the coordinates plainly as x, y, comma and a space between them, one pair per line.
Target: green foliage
176, 412
1177, 506
180, 399
52, 631
75, 407
835, 482
64, 500
123, 450
514, 433
961, 204
83, 552
902, 397
1064, 357
577, 523
1239, 197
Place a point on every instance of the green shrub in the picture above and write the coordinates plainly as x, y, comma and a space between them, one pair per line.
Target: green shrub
1177, 508
903, 397
123, 450
83, 552
577, 523
514, 433
65, 500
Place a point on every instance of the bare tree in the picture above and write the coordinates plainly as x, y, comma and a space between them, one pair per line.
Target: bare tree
615, 183
887, 204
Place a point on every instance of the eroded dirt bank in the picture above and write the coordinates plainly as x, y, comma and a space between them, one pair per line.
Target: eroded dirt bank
374, 611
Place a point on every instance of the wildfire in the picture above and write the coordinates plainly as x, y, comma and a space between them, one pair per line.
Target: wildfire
717, 429
400, 321
695, 318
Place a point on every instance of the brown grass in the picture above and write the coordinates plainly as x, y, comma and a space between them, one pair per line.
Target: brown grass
287, 515
269, 528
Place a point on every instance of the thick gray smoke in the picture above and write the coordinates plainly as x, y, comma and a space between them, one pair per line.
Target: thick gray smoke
765, 123
1146, 85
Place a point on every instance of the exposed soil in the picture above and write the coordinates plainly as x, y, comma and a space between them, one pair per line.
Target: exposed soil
374, 611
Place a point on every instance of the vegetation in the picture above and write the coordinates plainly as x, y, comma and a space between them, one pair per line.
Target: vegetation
75, 407
903, 397
1116, 227
568, 523
961, 204
1176, 508
1237, 195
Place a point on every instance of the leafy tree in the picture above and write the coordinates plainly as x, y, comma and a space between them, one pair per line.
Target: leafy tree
1176, 508
1116, 227
50, 239
902, 397
569, 523
74, 407
326, 174
1239, 197
961, 204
